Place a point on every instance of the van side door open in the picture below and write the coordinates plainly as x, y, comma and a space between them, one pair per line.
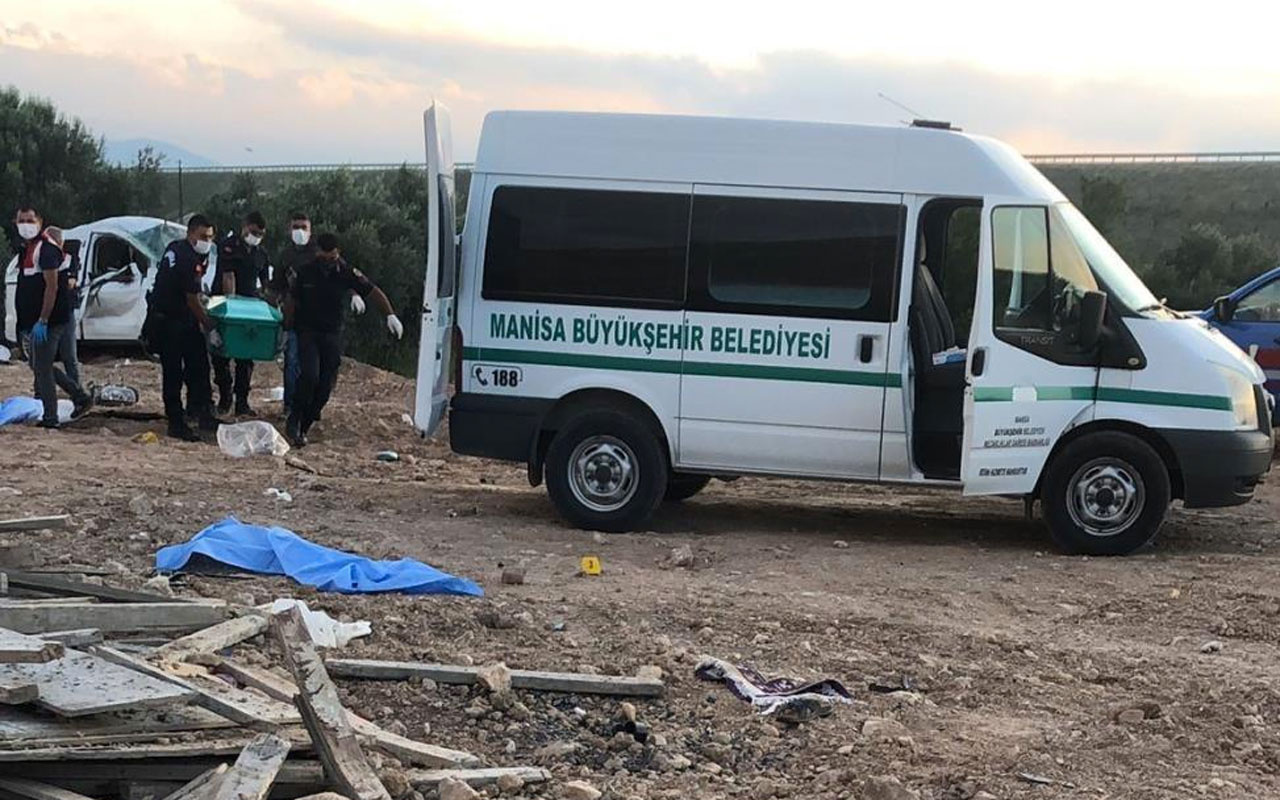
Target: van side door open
1029, 380
791, 297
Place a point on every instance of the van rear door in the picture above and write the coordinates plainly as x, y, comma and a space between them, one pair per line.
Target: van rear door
435, 347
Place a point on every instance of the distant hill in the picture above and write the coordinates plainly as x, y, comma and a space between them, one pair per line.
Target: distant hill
125, 151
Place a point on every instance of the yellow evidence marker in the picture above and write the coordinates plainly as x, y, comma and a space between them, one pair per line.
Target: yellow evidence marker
590, 565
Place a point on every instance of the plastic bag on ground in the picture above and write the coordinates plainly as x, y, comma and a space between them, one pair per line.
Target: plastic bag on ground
325, 630
21, 410
115, 394
256, 438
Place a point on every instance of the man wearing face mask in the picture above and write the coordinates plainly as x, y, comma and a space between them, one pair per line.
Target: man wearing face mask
43, 305
180, 324
315, 309
242, 266
299, 251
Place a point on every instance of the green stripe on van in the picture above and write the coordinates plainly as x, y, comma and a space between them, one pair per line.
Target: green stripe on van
674, 367
1004, 394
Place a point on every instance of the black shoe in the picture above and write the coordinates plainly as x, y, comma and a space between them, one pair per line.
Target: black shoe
293, 431
49, 425
82, 407
243, 409
184, 433
208, 422
224, 404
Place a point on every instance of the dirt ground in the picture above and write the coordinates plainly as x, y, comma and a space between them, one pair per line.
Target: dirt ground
1022, 660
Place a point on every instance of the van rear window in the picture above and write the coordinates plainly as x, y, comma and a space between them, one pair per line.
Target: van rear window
580, 246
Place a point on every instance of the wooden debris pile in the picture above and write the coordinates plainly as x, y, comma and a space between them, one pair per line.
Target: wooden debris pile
113, 693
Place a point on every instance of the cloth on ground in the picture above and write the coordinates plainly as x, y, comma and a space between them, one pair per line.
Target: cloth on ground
276, 551
787, 698
21, 410
325, 631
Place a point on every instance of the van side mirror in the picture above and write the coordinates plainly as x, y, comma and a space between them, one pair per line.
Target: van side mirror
1224, 309
1093, 309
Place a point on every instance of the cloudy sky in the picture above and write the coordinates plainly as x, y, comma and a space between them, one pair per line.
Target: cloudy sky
271, 81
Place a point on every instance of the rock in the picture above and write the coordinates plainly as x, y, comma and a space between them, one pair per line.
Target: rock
513, 576
681, 557
495, 678
627, 711
496, 620
140, 505
454, 789
1214, 646
555, 751
397, 727
983, 794
718, 753
160, 585
600, 538
578, 790
844, 750
396, 783
649, 672
510, 784
881, 728
764, 789
886, 788
840, 544
679, 762
1130, 716
519, 712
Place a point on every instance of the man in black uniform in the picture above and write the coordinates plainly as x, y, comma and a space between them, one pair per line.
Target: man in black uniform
300, 250
314, 310
242, 265
43, 305
179, 325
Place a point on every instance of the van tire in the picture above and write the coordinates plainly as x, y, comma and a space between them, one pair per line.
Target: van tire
683, 485
606, 471
1105, 494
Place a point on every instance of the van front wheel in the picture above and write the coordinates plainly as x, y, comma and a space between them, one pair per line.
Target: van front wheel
606, 471
1105, 494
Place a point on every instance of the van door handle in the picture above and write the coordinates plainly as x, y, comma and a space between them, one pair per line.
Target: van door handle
978, 364
866, 348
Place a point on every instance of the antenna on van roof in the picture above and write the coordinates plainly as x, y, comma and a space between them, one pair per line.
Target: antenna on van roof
919, 120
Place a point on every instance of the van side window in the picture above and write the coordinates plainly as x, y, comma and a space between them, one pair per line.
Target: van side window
1040, 271
793, 257
582, 246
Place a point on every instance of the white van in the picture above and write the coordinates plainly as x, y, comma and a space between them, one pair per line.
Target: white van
644, 302
115, 257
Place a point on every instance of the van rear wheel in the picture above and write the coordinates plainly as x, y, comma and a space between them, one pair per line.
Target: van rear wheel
682, 486
1105, 494
606, 471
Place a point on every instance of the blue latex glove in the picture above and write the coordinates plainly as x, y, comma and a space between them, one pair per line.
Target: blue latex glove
40, 332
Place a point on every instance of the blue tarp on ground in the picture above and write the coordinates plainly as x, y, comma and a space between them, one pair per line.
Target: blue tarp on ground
276, 551
20, 410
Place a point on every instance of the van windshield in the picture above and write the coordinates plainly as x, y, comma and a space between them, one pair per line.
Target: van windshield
1106, 263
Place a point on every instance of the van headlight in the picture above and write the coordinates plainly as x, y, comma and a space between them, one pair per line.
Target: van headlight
1244, 403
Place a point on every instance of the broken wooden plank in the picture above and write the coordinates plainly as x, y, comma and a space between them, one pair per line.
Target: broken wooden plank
36, 790
199, 785
430, 778
250, 778
17, 691
213, 639
34, 523
322, 712
571, 682
21, 728
80, 637
214, 696
18, 648
63, 585
113, 617
293, 773
79, 684
403, 748
228, 744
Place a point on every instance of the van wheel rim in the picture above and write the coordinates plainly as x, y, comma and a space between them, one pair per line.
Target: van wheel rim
1105, 497
603, 474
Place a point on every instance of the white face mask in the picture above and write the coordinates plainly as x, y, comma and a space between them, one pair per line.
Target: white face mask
203, 247
301, 236
251, 240
28, 230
